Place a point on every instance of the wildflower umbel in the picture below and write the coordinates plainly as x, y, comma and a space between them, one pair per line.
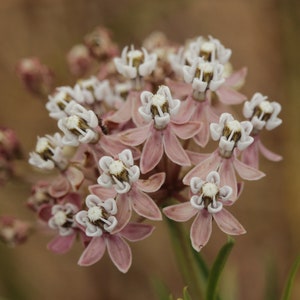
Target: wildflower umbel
130, 141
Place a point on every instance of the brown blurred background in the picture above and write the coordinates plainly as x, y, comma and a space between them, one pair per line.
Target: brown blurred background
265, 36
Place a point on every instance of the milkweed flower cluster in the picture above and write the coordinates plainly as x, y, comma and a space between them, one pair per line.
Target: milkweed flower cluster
133, 135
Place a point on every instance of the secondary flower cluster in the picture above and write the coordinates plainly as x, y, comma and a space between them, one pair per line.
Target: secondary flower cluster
132, 139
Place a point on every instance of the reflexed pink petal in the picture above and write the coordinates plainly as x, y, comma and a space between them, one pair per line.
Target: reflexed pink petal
102, 192
75, 176
250, 156
211, 115
113, 146
119, 252
59, 188
152, 152
230, 96
196, 157
228, 177
124, 211
201, 230
202, 137
144, 205
203, 168
180, 212
237, 78
45, 213
228, 223
93, 252
187, 109
268, 153
240, 188
179, 89
152, 184
135, 136
73, 198
123, 114
247, 172
61, 244
136, 231
186, 130
174, 149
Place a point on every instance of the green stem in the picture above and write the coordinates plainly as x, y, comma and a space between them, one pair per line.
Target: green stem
189, 267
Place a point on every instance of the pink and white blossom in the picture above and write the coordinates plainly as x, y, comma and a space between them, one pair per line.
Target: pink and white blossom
100, 216
60, 216
116, 246
160, 134
118, 173
49, 153
120, 179
79, 127
231, 134
203, 75
61, 102
206, 204
262, 113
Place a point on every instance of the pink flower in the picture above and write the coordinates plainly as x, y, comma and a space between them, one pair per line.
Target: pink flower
203, 76
233, 136
203, 64
160, 134
263, 115
60, 217
250, 156
80, 127
39, 195
10, 147
35, 76
99, 223
100, 44
13, 231
120, 178
79, 60
135, 64
117, 248
100, 216
210, 50
206, 204
49, 153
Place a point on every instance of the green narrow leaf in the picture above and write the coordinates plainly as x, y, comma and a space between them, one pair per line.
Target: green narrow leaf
186, 295
290, 280
218, 266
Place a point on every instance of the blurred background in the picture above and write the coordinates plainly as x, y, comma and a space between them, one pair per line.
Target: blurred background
263, 35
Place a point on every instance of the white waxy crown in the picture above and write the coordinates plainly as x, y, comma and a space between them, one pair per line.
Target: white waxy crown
266, 107
158, 100
134, 54
206, 67
210, 189
42, 145
60, 218
208, 47
234, 126
95, 213
116, 167
72, 122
